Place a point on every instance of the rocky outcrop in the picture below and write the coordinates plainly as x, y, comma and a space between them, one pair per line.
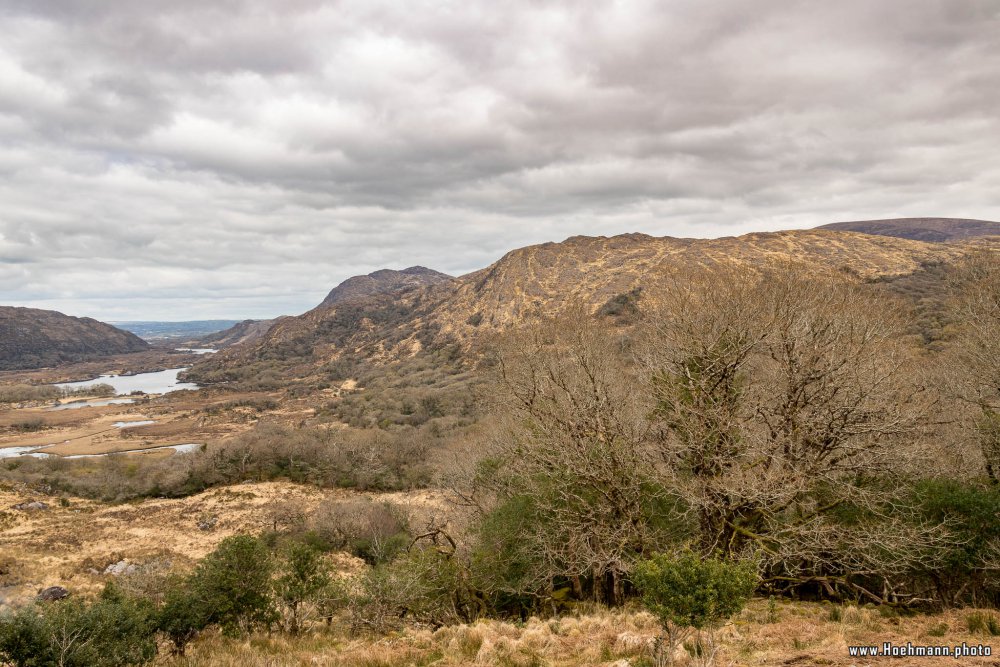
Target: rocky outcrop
52, 593
384, 281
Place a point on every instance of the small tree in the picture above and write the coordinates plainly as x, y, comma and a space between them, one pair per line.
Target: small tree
233, 583
303, 578
572, 443
183, 614
685, 591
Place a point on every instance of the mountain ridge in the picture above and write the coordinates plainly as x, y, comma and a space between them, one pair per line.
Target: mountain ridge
34, 338
934, 230
546, 279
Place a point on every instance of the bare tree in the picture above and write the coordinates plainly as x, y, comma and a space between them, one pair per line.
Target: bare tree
572, 444
975, 353
782, 398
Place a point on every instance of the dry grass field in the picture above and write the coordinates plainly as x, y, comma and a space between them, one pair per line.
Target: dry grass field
789, 633
71, 543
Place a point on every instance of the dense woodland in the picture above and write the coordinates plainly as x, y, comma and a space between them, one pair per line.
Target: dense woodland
777, 433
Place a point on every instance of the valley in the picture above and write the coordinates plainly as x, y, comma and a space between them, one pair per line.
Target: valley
409, 425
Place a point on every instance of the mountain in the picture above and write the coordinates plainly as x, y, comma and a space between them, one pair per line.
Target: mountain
545, 279
605, 274
934, 230
240, 332
383, 281
32, 338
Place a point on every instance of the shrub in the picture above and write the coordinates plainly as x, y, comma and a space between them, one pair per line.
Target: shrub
324, 457
234, 585
303, 578
687, 591
183, 614
969, 511
18, 393
376, 532
113, 631
25, 640
29, 425
423, 585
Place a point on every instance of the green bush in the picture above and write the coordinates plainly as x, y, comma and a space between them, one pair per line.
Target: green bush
182, 615
25, 640
687, 590
424, 585
303, 577
970, 511
234, 585
113, 631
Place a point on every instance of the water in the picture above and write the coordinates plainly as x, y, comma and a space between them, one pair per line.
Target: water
178, 449
197, 350
76, 405
143, 422
159, 382
11, 452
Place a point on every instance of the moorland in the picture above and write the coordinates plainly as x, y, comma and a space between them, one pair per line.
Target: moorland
611, 450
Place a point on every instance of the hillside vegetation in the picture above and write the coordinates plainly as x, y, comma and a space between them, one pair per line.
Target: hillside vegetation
613, 275
595, 452
32, 338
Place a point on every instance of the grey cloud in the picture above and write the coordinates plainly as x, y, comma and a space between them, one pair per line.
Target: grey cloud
237, 158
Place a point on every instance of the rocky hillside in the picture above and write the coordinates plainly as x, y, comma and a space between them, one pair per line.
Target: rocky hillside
32, 338
934, 230
544, 279
602, 273
360, 307
385, 281
241, 332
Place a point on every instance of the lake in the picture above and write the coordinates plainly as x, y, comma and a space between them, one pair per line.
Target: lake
11, 452
159, 382
76, 405
35, 451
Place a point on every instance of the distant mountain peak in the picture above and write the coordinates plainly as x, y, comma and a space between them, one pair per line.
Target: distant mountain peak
932, 230
384, 281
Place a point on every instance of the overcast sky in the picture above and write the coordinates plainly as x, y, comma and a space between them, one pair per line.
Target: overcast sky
187, 159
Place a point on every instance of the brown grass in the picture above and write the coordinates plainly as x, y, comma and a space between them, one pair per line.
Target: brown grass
801, 634
70, 545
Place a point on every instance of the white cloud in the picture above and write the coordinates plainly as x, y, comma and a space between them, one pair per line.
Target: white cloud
238, 158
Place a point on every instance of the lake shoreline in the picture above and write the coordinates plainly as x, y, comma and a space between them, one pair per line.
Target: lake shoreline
159, 382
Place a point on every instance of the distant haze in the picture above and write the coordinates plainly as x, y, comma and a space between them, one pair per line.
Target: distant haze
185, 160
162, 331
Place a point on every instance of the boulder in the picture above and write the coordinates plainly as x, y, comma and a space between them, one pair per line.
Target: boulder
208, 523
120, 568
52, 593
32, 506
